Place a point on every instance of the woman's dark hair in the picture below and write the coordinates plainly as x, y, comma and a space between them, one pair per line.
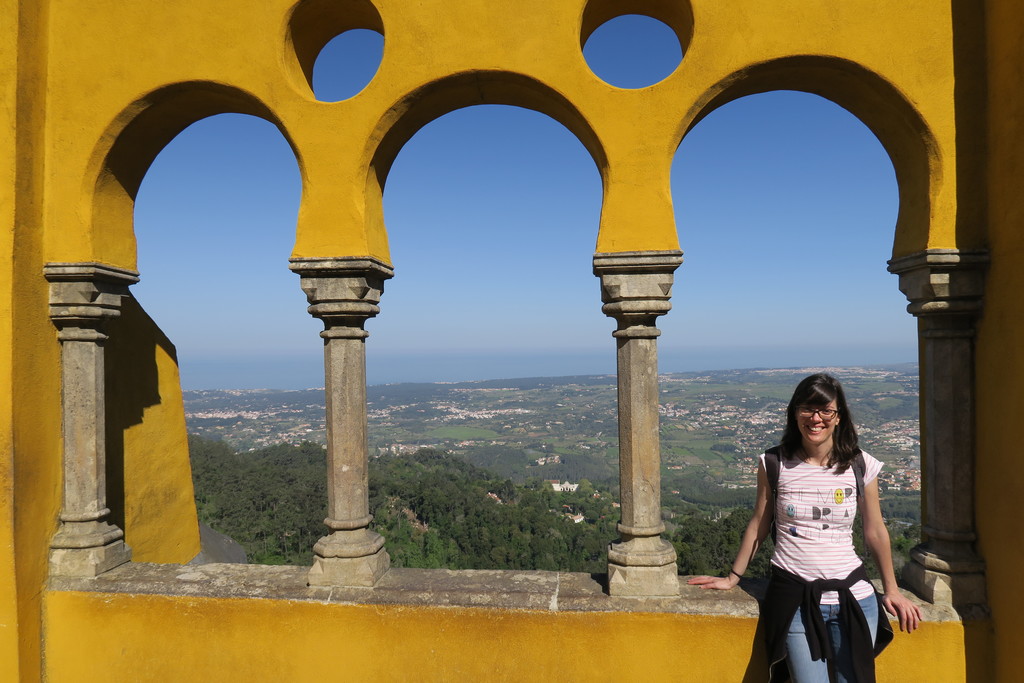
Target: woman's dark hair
820, 390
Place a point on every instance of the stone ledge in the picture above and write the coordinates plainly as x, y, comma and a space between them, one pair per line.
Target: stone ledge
495, 589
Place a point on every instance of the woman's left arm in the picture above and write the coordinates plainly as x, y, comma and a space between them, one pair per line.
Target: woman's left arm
877, 538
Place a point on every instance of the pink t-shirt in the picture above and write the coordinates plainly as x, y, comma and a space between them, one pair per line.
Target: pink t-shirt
814, 513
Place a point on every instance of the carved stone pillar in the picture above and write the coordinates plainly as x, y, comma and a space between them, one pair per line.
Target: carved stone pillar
945, 289
343, 293
635, 289
83, 296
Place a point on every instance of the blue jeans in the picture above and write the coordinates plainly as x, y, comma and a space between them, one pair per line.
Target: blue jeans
802, 668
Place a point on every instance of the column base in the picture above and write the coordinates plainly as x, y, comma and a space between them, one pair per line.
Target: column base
643, 582
939, 581
349, 571
88, 562
642, 567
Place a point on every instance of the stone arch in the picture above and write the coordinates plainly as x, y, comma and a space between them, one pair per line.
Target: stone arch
131, 143
874, 101
437, 98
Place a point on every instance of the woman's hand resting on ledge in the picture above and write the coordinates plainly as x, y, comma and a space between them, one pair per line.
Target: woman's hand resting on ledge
722, 583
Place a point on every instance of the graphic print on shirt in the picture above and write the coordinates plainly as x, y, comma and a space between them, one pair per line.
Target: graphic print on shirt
829, 511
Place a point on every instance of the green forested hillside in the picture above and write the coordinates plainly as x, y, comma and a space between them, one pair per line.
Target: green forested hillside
437, 510
433, 509
712, 424
271, 501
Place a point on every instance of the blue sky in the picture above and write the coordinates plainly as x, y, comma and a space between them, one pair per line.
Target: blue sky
785, 206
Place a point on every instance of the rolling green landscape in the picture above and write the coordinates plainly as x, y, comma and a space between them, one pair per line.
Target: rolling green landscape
461, 472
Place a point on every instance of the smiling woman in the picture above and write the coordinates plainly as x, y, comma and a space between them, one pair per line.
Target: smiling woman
820, 613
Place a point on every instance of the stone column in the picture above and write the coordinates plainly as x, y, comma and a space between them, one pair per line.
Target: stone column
343, 293
945, 289
635, 289
82, 297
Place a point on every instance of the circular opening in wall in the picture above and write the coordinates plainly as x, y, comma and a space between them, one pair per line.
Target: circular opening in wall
632, 51
347, 64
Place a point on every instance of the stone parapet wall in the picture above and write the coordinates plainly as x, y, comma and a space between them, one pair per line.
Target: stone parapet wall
254, 623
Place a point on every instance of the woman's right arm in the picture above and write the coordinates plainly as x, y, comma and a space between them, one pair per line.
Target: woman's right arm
758, 527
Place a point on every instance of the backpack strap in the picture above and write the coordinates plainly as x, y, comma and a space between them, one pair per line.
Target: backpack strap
772, 468
859, 468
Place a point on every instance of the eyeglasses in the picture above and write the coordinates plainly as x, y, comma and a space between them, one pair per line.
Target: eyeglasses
826, 414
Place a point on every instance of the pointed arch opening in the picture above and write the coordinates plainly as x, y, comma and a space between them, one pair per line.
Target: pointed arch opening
437, 98
492, 213
125, 153
216, 307
218, 205
878, 105
505, 266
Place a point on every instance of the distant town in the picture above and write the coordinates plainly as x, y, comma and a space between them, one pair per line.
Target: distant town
564, 429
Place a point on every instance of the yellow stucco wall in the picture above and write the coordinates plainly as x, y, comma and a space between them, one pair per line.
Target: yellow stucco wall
8, 165
29, 421
146, 424
1000, 364
90, 93
899, 81
142, 638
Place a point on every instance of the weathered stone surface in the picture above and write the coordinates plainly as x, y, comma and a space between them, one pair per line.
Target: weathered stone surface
364, 570
89, 561
492, 589
638, 581
942, 280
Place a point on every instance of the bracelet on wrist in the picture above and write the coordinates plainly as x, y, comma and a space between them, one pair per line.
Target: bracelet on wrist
738, 575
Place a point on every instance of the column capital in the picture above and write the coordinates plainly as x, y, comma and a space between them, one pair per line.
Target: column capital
342, 291
636, 287
84, 295
942, 281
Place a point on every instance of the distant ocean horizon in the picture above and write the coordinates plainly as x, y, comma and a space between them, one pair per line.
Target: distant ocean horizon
267, 371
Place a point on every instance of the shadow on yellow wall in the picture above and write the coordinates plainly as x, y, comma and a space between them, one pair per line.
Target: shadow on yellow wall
149, 478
